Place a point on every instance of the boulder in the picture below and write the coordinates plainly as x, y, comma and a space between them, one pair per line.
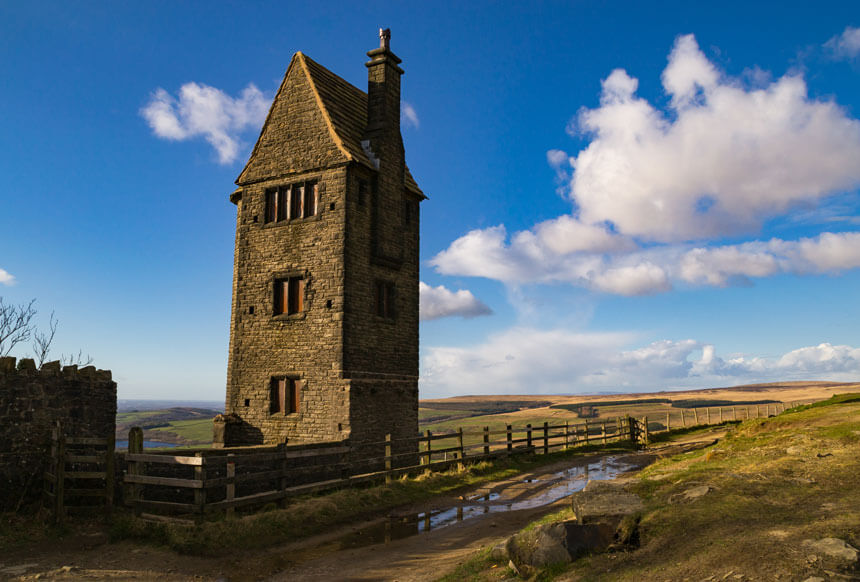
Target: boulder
557, 543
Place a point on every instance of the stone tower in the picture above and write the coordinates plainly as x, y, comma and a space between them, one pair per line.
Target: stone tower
324, 326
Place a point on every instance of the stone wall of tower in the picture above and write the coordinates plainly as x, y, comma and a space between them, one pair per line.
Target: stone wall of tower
359, 370
306, 346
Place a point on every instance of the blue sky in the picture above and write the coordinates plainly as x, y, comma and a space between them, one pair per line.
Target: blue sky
624, 196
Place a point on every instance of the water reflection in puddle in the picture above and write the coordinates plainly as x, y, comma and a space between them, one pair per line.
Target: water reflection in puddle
552, 488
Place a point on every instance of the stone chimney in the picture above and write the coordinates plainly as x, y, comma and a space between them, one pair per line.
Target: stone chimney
383, 96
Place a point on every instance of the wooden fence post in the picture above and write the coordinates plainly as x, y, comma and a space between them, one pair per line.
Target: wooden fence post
509, 437
283, 482
200, 492
683, 418
566, 435
586, 432
60, 474
668, 426
110, 475
721, 415
734, 413
603, 432
230, 494
429, 436
545, 438
486, 441
709, 414
462, 451
646, 436
529, 437
631, 426
696, 416
135, 447
387, 458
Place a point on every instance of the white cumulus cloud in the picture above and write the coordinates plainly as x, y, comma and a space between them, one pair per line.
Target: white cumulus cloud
6, 278
203, 111
535, 256
438, 302
845, 45
656, 189
720, 161
531, 361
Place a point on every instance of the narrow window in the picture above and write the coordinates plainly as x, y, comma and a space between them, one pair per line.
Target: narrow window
298, 197
278, 390
294, 395
283, 203
289, 296
271, 206
385, 299
296, 295
310, 199
284, 395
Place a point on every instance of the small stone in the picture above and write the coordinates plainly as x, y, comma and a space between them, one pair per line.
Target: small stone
814, 579
794, 450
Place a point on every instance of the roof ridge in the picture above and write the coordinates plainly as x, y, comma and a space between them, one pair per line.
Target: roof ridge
326, 116
268, 117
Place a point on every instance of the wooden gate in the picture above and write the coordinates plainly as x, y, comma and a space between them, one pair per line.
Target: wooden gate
80, 473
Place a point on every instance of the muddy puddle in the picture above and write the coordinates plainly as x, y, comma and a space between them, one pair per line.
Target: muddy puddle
527, 493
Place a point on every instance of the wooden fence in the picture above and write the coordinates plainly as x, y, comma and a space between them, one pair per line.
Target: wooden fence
719, 414
80, 473
191, 484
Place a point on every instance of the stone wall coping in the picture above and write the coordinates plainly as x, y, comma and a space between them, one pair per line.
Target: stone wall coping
27, 367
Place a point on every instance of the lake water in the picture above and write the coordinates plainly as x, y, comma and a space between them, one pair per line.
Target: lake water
146, 444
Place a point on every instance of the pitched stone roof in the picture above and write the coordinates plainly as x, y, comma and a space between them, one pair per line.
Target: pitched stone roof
345, 108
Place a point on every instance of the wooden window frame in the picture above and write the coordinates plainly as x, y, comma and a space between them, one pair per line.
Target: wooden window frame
288, 296
291, 202
285, 395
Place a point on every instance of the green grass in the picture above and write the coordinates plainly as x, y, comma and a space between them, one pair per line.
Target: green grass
191, 431
763, 502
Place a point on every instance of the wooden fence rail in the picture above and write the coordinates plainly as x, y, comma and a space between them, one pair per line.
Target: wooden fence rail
195, 483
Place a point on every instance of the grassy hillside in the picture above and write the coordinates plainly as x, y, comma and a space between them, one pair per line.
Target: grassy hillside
774, 484
181, 425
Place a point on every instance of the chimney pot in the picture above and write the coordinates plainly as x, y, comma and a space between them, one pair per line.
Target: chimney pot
384, 38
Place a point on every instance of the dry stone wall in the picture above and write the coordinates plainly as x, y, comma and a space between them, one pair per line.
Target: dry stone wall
31, 401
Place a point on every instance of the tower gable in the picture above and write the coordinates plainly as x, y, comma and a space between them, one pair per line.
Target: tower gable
298, 134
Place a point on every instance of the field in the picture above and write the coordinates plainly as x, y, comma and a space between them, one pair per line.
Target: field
179, 425
499, 411
190, 426
774, 487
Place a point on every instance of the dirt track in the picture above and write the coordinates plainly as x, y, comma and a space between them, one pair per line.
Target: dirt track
356, 552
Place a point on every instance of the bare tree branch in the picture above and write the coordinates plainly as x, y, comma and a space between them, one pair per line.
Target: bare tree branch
15, 325
42, 341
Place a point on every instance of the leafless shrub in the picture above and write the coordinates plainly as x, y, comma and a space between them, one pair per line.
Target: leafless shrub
76, 359
42, 342
15, 324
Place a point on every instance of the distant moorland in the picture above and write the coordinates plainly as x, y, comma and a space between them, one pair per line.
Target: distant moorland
189, 423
